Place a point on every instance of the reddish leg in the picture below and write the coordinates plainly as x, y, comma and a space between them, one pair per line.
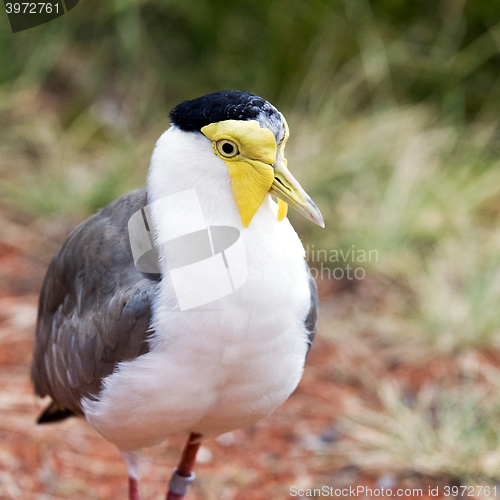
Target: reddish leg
184, 475
133, 489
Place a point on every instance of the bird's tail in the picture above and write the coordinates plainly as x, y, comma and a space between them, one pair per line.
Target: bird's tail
54, 413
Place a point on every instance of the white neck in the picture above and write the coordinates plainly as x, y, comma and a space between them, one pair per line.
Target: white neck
185, 160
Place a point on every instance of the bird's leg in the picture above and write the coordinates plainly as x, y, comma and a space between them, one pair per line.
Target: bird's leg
132, 459
186, 465
184, 475
133, 488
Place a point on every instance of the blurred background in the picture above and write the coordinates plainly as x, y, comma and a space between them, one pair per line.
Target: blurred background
394, 110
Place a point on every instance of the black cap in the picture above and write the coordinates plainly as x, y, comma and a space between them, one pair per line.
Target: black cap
192, 115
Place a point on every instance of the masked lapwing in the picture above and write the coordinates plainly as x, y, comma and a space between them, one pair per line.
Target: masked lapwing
186, 307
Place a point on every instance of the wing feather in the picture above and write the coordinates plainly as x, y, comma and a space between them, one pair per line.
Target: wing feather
312, 316
94, 309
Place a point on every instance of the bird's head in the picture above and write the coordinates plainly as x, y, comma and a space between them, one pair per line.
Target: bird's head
248, 134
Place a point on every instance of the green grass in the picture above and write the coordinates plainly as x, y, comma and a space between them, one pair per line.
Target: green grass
447, 431
424, 195
51, 169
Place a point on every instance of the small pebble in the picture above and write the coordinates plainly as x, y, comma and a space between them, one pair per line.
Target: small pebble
312, 442
227, 439
204, 455
329, 436
386, 481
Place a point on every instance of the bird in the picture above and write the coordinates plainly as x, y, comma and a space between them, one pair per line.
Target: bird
185, 307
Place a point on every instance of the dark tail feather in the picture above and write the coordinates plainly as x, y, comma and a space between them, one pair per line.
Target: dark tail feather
54, 413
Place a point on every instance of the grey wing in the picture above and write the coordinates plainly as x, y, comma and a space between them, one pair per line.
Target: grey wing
312, 316
94, 309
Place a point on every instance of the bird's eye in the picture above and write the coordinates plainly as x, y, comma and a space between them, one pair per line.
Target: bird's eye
227, 148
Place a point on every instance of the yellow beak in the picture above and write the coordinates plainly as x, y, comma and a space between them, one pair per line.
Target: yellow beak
287, 188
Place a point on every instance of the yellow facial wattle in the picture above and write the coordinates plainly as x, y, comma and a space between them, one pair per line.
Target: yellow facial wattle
251, 171
282, 209
257, 167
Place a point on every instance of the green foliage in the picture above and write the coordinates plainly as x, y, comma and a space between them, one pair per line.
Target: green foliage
443, 51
